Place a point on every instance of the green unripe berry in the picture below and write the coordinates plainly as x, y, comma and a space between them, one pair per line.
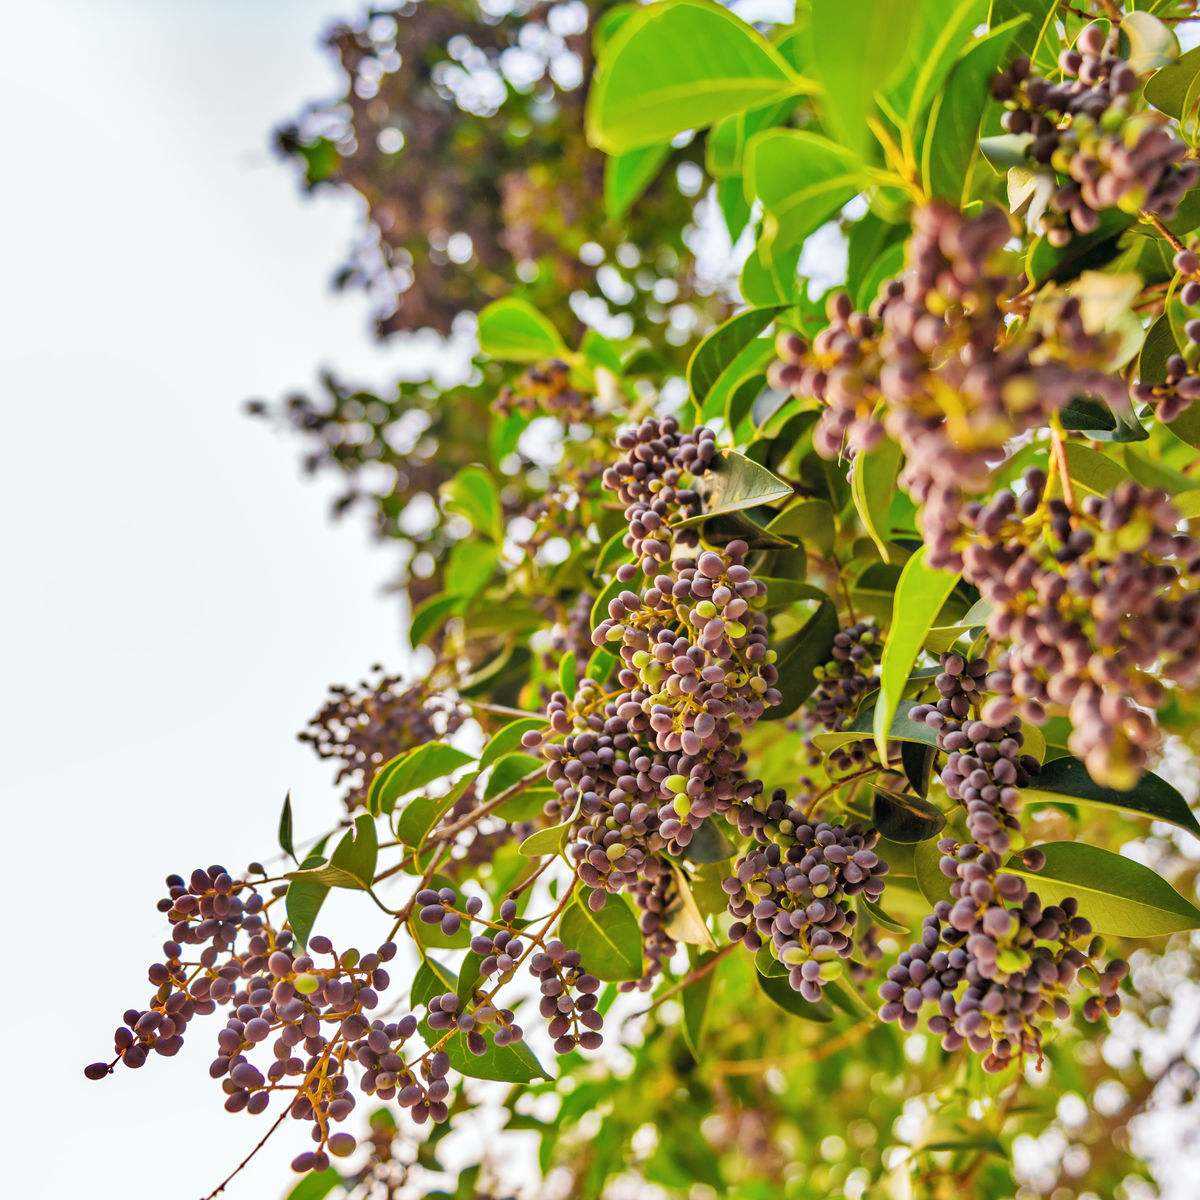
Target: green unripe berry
307, 984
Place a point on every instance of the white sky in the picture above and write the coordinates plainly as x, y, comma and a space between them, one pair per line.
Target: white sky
175, 600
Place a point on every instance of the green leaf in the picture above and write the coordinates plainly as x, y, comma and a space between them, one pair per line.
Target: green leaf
608, 941
512, 330
708, 845
550, 840
952, 136
933, 884
471, 494
429, 616
685, 922
568, 673
1067, 779
357, 852
854, 49
694, 999
422, 813
904, 817
902, 728
681, 65
412, 770
713, 356
885, 268
873, 486
777, 989
1030, 35
304, 898
1006, 150
508, 739
1152, 45
514, 1063
919, 597
628, 175
612, 554
1120, 897
316, 1185
769, 277
934, 74
802, 179
799, 657
1167, 89
811, 520
1092, 471
725, 146
470, 567
735, 483
285, 828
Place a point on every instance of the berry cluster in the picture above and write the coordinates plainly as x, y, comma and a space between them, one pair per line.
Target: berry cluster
795, 895
841, 369
956, 384
568, 998
996, 962
1181, 385
547, 388
650, 479
984, 768
694, 650
362, 727
1094, 607
1086, 130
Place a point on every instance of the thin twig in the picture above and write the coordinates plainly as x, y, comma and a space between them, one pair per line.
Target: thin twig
690, 978
245, 1161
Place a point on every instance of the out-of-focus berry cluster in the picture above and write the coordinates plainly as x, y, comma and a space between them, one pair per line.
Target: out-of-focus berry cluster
1107, 149
956, 384
362, 727
547, 389
1094, 607
996, 963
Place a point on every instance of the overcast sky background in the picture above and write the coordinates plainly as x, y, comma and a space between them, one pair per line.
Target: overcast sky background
175, 600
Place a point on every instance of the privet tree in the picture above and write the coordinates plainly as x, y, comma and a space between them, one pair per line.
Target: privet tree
792, 662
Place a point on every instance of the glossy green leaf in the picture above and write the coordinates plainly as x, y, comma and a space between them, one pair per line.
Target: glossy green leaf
1067, 779
429, 616
608, 941
1120, 897
800, 655
681, 65
777, 989
470, 567
952, 136
802, 179
412, 770
694, 998
920, 594
1167, 89
720, 348
512, 330
736, 482
285, 828
854, 49
316, 1185
358, 851
903, 817
934, 77
508, 739
472, 494
304, 898
902, 728
1092, 471
550, 840
413, 825
628, 175
811, 520
873, 486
